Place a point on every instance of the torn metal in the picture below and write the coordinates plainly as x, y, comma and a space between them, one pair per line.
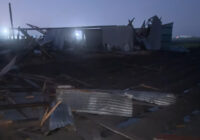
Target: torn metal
152, 35
95, 102
158, 98
61, 117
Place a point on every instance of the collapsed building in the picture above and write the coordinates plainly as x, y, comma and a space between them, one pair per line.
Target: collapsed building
153, 35
55, 89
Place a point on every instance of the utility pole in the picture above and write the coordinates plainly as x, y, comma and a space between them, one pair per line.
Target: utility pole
11, 20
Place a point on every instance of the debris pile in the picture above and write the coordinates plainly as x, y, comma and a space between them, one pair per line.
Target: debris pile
26, 96
38, 77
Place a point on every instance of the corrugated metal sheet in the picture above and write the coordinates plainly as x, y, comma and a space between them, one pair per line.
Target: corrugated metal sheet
162, 99
61, 117
167, 34
89, 101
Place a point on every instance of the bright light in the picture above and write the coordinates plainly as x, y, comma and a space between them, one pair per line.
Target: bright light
5, 31
79, 35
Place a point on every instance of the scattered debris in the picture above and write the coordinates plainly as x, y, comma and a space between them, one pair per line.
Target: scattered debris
179, 49
30, 97
76, 80
116, 132
61, 117
158, 98
47, 115
186, 91
32, 83
153, 109
180, 126
50, 96
96, 102
175, 137
195, 112
150, 87
8, 67
187, 119
5, 122
65, 86
128, 122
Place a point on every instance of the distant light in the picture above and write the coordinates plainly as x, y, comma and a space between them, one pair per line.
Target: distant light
78, 35
5, 31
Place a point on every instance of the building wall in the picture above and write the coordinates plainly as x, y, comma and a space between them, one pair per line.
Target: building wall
166, 35
107, 38
120, 38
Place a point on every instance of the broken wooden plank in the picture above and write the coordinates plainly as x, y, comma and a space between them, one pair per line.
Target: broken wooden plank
149, 87
11, 100
30, 97
36, 28
49, 113
44, 86
5, 122
39, 77
8, 67
32, 83
34, 77
45, 113
24, 32
116, 132
65, 86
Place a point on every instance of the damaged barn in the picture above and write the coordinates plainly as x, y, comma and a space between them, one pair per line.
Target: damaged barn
109, 82
153, 35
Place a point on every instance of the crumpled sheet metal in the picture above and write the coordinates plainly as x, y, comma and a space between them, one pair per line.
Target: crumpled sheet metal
94, 102
61, 117
162, 99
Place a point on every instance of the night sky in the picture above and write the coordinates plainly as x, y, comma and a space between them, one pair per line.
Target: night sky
59, 13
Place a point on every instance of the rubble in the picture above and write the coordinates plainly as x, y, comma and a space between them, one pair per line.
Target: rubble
61, 117
162, 99
8, 67
56, 82
102, 103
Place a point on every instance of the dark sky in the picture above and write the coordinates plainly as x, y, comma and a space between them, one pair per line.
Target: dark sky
51, 13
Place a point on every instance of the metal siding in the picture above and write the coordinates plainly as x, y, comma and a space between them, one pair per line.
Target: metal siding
96, 102
61, 117
167, 34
